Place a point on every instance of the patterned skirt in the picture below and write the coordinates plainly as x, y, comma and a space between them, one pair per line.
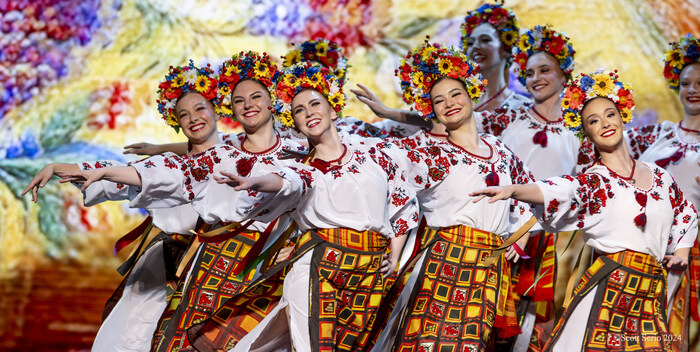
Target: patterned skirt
454, 301
683, 305
210, 283
627, 312
346, 289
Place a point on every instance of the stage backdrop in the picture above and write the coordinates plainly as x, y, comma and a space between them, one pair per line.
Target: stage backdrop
78, 81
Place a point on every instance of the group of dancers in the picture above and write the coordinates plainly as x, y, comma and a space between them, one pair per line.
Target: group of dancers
288, 236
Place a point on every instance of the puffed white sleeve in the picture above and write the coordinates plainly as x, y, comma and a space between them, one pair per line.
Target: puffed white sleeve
565, 206
102, 191
166, 181
221, 202
685, 222
403, 205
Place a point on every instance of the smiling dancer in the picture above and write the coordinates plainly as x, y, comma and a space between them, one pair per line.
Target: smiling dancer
631, 214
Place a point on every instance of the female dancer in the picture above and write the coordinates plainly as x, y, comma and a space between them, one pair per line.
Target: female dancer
131, 315
488, 36
340, 200
630, 221
451, 298
676, 148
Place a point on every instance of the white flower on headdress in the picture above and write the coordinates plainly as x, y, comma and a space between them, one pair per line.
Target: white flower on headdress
334, 89
285, 108
590, 94
169, 104
190, 76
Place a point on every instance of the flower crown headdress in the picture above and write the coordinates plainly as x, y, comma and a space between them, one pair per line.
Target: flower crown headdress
585, 87
679, 55
242, 66
180, 80
547, 39
306, 75
501, 18
325, 51
425, 65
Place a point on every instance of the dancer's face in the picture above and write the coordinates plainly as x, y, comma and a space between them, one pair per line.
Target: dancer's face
484, 46
251, 104
451, 103
543, 76
197, 117
602, 123
689, 89
313, 114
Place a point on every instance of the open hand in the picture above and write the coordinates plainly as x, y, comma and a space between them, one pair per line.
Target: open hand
239, 183
142, 149
368, 97
86, 177
388, 266
39, 181
675, 263
496, 193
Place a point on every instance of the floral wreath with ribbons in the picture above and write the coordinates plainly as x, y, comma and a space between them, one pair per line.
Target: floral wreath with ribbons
425, 65
680, 54
180, 80
501, 18
545, 39
601, 84
325, 51
306, 75
242, 66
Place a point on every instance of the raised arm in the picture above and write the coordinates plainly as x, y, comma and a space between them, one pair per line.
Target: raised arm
368, 97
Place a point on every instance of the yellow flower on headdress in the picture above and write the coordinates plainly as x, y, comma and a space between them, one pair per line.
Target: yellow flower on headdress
523, 44
509, 37
224, 109
445, 66
290, 80
572, 120
224, 90
202, 84
418, 80
603, 85
315, 80
230, 70
427, 53
337, 99
674, 59
322, 48
178, 81
626, 115
286, 119
292, 58
474, 92
563, 53
261, 69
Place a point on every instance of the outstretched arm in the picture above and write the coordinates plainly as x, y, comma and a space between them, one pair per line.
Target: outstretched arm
122, 174
45, 174
368, 97
154, 149
270, 183
528, 193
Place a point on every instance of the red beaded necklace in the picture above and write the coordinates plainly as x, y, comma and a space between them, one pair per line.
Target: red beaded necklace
680, 125
277, 141
489, 100
544, 118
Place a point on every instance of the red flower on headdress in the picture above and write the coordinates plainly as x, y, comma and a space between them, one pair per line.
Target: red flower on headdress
498, 15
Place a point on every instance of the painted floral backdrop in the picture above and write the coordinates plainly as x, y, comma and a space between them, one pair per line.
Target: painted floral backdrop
78, 81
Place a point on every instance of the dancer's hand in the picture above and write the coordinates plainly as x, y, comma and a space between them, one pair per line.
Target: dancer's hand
675, 263
370, 99
84, 177
495, 193
143, 149
39, 181
512, 253
267, 183
388, 266
284, 254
